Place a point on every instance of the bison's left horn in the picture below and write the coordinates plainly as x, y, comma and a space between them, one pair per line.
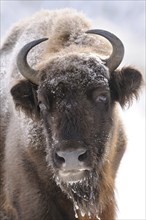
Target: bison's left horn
22, 64
118, 49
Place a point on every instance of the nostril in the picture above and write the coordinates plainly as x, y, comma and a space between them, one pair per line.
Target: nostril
83, 156
60, 160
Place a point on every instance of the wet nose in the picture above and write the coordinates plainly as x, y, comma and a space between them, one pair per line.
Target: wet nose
72, 159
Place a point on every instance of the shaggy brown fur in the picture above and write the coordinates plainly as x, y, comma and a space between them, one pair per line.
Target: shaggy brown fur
75, 106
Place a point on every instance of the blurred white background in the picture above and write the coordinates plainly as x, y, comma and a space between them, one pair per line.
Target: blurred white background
127, 20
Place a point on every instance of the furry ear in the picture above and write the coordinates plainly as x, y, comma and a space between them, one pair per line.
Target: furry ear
25, 99
125, 85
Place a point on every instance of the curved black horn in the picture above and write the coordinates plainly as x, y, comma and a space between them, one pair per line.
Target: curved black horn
22, 64
118, 48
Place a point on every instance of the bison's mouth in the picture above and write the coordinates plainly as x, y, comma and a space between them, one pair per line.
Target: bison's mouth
73, 176
81, 186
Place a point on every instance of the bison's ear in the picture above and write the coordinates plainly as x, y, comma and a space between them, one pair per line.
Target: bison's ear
125, 85
25, 99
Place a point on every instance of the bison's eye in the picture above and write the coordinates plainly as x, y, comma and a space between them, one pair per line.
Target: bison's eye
43, 103
42, 106
101, 98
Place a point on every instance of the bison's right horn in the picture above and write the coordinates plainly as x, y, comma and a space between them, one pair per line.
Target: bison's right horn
118, 49
22, 64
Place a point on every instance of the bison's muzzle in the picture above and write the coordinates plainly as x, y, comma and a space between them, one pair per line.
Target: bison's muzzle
72, 161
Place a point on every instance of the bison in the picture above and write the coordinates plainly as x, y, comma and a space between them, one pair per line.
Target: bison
62, 138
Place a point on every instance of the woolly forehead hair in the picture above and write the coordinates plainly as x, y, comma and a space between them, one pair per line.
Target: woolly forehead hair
74, 69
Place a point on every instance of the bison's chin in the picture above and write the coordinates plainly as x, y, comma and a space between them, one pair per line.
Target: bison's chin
82, 188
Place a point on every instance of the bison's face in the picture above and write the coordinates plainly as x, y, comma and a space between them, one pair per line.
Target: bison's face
75, 100
76, 107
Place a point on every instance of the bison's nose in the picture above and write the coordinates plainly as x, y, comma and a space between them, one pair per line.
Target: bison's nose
71, 159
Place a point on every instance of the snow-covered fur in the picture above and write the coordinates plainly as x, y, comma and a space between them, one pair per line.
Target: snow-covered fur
75, 104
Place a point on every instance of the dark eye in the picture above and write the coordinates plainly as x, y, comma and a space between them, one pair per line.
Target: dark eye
100, 98
42, 106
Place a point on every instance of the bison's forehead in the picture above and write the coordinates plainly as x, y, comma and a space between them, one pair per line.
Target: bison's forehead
75, 71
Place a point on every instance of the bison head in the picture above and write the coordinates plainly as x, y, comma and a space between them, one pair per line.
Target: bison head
75, 95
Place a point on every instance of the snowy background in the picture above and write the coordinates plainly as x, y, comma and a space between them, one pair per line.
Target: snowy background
127, 20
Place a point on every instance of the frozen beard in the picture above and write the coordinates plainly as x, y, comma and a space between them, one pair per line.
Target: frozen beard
83, 193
